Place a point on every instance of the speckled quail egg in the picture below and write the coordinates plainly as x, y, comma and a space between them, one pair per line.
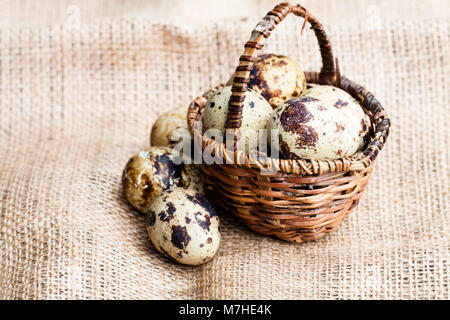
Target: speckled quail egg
151, 171
191, 178
344, 102
277, 78
313, 128
309, 85
183, 225
256, 113
170, 122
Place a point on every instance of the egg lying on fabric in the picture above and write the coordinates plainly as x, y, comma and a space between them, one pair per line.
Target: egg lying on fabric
191, 178
152, 171
277, 78
320, 126
256, 113
170, 124
183, 225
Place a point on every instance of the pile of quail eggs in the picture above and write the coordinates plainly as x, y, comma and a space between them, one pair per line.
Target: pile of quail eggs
313, 122
180, 221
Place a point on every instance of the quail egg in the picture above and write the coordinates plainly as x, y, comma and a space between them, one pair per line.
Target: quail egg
191, 178
320, 128
256, 113
153, 170
343, 101
182, 224
277, 78
171, 124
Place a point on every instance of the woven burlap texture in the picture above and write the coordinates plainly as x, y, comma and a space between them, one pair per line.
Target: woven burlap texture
77, 101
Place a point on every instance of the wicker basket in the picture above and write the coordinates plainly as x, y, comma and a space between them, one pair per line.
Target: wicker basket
304, 199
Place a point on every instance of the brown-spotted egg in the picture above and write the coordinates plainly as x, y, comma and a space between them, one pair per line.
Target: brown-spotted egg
169, 123
344, 102
256, 113
151, 171
182, 224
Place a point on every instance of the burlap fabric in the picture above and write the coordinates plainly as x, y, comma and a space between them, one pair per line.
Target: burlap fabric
76, 103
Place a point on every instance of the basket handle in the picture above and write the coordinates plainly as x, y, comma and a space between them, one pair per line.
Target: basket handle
256, 42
